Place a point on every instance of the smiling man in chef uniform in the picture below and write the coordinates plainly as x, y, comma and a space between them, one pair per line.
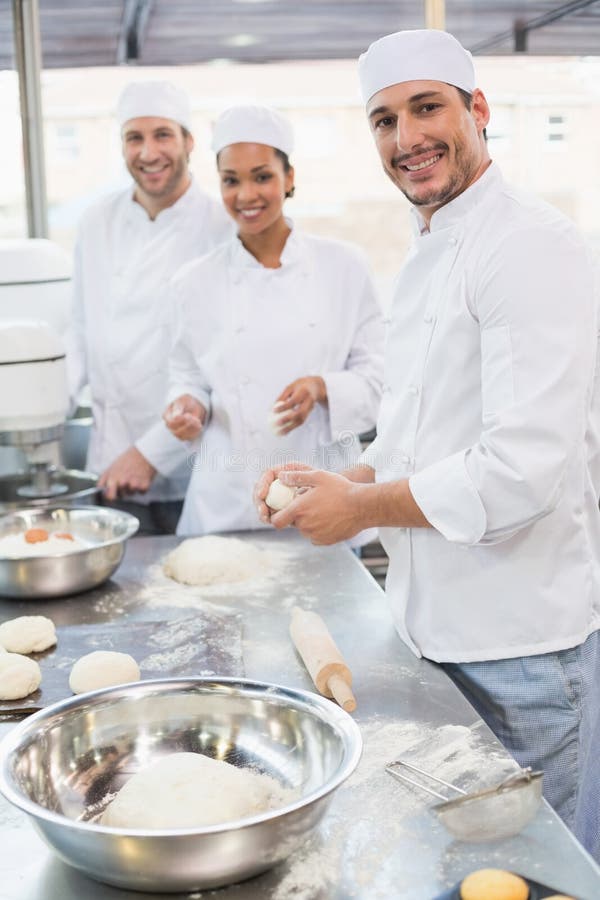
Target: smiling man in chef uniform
485, 474
128, 247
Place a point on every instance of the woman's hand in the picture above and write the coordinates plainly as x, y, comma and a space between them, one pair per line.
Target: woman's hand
295, 403
184, 417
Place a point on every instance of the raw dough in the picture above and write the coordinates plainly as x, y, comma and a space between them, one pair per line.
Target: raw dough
276, 416
27, 634
279, 495
19, 676
102, 668
493, 884
15, 546
190, 790
214, 560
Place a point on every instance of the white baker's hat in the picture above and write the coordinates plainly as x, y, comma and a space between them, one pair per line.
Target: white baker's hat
425, 54
250, 124
154, 98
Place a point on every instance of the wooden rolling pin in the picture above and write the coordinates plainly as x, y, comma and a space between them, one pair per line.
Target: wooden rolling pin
322, 658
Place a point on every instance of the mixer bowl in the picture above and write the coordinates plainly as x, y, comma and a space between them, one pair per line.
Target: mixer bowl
104, 530
82, 487
61, 765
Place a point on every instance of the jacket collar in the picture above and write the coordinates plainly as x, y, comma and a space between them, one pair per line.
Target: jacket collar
456, 210
187, 201
292, 252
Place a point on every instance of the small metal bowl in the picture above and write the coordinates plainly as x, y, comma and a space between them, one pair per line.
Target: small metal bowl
105, 530
60, 765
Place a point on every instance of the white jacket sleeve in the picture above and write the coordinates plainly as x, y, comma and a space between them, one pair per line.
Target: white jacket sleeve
77, 369
354, 393
158, 444
185, 374
536, 304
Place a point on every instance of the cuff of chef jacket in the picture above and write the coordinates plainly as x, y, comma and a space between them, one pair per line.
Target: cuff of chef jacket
449, 501
370, 455
345, 414
162, 449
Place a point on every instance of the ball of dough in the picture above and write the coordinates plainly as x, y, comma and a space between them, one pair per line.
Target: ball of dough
279, 495
188, 790
27, 634
102, 668
276, 416
212, 559
19, 676
493, 884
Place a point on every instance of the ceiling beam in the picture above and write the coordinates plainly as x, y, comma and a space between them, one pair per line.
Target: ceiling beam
133, 30
521, 28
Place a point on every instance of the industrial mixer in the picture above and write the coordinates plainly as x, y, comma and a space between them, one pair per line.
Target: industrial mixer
34, 403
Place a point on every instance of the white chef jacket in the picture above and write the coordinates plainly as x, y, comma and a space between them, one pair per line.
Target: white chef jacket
491, 409
119, 337
243, 333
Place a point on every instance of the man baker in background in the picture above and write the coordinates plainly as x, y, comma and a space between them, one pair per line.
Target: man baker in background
485, 473
128, 247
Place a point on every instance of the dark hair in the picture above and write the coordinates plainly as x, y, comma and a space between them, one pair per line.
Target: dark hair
284, 159
184, 131
467, 99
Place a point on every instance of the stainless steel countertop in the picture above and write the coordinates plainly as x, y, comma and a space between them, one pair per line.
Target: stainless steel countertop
378, 839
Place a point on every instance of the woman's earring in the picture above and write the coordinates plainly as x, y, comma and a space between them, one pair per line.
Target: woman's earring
291, 192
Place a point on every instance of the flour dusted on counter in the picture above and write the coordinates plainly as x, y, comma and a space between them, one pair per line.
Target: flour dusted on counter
215, 560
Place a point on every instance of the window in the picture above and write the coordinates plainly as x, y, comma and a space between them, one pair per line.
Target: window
556, 131
65, 141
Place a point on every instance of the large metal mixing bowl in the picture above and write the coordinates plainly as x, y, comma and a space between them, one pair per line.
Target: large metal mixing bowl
59, 766
104, 530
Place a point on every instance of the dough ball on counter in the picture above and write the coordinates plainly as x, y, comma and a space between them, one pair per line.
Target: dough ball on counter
27, 634
493, 884
19, 676
102, 668
214, 560
189, 790
279, 495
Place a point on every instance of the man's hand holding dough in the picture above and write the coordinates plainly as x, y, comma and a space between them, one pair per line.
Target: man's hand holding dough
328, 509
261, 488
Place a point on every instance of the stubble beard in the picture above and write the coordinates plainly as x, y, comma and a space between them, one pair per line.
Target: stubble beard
178, 173
456, 183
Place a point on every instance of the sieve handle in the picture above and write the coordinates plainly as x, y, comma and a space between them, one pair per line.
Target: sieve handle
400, 762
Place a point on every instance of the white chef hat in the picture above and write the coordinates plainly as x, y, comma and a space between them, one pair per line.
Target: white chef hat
251, 124
425, 54
154, 98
